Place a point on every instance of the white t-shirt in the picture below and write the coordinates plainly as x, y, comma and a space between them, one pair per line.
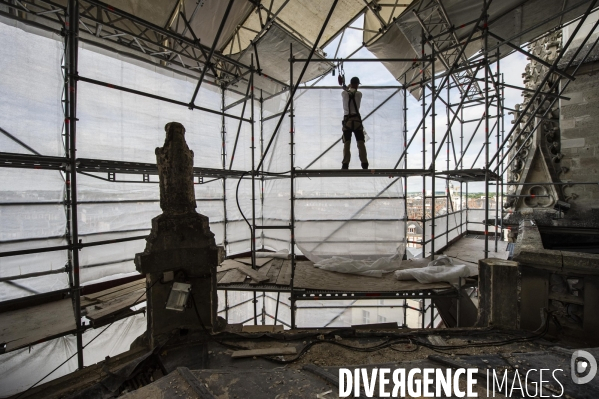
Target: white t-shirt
351, 109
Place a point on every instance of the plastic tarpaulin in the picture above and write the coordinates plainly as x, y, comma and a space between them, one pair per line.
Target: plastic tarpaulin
506, 19
303, 18
273, 54
387, 10
361, 218
22, 368
113, 125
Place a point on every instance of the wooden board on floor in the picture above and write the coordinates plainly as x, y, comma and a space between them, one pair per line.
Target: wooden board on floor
233, 276
471, 250
228, 264
26, 326
275, 269
259, 261
283, 350
284, 277
254, 274
262, 328
264, 270
111, 293
220, 275
309, 277
99, 294
104, 309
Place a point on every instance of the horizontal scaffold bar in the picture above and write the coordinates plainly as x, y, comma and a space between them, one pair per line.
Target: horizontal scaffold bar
341, 60
361, 172
13, 160
469, 175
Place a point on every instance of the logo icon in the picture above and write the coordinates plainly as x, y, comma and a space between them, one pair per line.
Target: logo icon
583, 367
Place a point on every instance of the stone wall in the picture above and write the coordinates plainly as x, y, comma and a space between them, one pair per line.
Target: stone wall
565, 147
579, 124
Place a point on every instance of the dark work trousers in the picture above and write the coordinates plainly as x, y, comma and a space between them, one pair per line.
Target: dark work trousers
353, 124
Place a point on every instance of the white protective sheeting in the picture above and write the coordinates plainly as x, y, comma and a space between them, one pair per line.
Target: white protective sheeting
506, 18
273, 53
442, 269
30, 93
22, 368
387, 11
358, 218
303, 18
204, 16
113, 125
39, 222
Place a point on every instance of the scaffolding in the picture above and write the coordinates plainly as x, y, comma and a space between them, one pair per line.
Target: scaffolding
476, 80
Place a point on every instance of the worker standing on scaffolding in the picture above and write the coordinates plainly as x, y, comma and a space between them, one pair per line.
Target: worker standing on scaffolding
352, 122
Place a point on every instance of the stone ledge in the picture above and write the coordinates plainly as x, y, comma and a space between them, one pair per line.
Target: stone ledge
581, 262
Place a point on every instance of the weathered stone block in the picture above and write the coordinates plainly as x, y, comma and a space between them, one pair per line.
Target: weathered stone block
573, 143
580, 262
498, 293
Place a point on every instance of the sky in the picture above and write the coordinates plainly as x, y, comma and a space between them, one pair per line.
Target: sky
375, 74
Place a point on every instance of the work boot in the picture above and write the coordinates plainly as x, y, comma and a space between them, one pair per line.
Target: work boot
344, 166
364, 165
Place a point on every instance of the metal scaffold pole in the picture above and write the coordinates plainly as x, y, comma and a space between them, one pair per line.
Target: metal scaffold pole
292, 187
423, 123
253, 148
447, 187
502, 149
71, 130
499, 104
224, 165
259, 171
433, 152
486, 144
462, 221
405, 138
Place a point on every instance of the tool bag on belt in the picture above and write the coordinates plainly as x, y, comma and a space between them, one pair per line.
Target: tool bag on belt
352, 121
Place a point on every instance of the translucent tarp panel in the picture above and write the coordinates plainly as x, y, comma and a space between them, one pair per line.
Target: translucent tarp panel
106, 66
204, 17
388, 9
122, 126
26, 222
30, 92
273, 52
34, 285
283, 313
239, 146
318, 115
361, 217
101, 261
11, 266
95, 218
111, 126
304, 18
22, 368
31, 216
239, 157
241, 307
506, 19
155, 11
207, 17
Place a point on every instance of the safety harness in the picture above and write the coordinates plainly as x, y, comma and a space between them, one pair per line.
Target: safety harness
352, 97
